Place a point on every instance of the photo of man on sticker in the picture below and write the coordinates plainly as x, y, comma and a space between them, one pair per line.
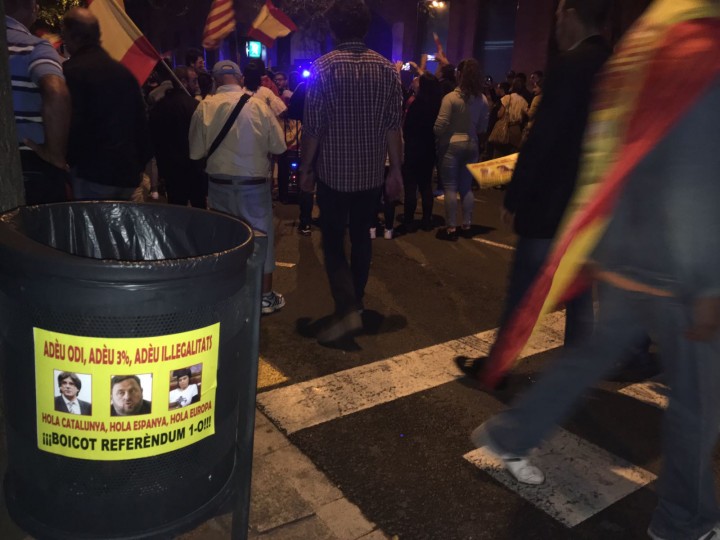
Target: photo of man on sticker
185, 392
69, 385
127, 396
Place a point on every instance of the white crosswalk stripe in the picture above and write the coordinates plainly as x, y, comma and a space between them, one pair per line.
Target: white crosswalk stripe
582, 479
321, 400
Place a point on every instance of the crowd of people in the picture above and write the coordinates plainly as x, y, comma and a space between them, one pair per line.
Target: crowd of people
84, 123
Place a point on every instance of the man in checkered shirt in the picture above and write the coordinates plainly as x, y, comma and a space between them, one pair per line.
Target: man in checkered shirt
352, 124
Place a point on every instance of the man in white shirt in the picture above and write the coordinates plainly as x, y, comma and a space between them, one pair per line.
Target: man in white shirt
70, 385
239, 168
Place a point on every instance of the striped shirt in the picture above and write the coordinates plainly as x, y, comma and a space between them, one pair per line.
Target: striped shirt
31, 59
354, 98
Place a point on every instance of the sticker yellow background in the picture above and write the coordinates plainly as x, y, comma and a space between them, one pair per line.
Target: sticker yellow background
100, 436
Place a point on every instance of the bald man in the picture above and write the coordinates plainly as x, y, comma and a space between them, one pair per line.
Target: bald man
109, 138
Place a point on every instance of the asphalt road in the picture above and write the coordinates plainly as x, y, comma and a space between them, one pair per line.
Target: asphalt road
386, 416
404, 459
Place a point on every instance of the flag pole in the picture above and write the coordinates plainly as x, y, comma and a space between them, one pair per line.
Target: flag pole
174, 77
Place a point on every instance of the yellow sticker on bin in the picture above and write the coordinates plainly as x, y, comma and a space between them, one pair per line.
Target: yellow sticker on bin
112, 399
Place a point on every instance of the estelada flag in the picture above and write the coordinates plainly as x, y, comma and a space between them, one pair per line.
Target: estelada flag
220, 23
122, 40
673, 47
270, 24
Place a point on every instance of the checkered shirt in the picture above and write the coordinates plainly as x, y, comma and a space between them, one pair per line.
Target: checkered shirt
354, 98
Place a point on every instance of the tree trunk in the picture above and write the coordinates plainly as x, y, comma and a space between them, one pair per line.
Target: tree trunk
12, 192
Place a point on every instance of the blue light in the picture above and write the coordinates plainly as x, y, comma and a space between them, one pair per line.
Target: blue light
306, 73
294, 165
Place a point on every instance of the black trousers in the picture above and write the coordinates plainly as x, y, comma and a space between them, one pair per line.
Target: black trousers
355, 211
191, 186
44, 183
417, 176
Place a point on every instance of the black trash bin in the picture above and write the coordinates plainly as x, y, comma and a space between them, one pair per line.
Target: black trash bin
148, 315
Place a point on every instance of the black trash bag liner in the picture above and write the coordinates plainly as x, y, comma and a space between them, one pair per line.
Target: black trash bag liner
123, 231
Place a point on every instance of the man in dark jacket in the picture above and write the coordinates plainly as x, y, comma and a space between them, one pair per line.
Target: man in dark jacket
109, 142
169, 128
547, 167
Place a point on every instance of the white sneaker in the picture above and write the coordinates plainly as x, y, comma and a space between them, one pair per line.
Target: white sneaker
388, 234
373, 233
521, 468
272, 302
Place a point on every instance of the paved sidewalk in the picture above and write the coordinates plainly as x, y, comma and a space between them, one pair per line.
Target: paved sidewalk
291, 499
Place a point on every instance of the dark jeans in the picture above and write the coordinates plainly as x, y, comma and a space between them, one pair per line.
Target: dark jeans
388, 211
44, 183
529, 258
417, 176
305, 201
356, 211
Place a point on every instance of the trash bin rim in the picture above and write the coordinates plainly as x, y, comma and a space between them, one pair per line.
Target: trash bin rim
24, 253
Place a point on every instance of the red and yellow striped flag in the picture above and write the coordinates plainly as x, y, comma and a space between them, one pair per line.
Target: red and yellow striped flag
122, 40
672, 47
54, 39
220, 23
270, 24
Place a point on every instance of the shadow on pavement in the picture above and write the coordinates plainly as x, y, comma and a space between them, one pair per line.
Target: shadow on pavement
374, 323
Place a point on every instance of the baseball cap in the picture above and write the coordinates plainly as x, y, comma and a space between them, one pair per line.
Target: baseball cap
255, 67
226, 67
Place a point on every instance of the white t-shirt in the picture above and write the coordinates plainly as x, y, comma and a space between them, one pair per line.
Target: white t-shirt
184, 397
276, 104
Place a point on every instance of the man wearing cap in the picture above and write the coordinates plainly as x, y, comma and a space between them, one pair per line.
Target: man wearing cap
239, 168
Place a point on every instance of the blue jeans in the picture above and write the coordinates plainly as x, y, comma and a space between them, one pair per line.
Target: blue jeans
457, 179
530, 256
687, 505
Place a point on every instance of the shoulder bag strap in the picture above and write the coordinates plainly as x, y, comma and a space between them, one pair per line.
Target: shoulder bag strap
230, 121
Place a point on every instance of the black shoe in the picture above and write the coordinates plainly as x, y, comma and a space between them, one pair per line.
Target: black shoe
443, 234
473, 367
466, 233
305, 230
426, 225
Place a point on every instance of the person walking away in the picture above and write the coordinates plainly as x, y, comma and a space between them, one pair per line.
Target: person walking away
353, 113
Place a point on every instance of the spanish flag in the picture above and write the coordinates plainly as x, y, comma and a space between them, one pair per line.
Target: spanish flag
666, 61
270, 24
220, 23
122, 40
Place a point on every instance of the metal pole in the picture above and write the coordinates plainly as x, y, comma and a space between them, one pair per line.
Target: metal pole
174, 77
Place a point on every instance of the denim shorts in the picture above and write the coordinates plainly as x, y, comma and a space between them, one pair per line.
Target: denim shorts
252, 204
